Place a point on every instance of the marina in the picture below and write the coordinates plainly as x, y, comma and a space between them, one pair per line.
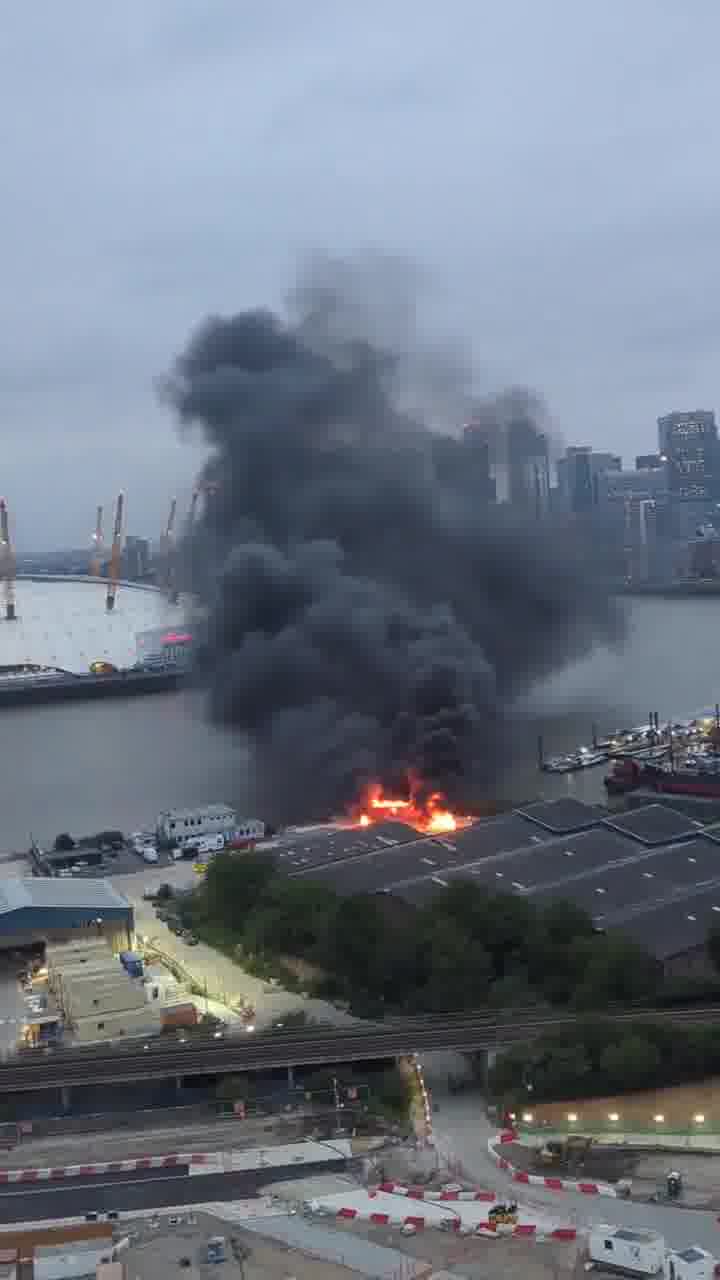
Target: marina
680, 757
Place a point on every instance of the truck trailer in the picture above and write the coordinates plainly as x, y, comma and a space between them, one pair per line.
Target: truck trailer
641, 1254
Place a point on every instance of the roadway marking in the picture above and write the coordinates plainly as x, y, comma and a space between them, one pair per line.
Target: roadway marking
49, 1188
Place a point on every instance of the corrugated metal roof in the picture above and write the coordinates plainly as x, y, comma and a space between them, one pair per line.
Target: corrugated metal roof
654, 824
93, 895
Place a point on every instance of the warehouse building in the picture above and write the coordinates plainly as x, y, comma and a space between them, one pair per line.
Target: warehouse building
38, 910
653, 873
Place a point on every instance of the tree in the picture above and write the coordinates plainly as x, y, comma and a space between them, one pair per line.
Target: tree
507, 1073
291, 917
613, 969
64, 843
561, 1072
235, 1089
457, 969
631, 1063
564, 921
356, 942
234, 885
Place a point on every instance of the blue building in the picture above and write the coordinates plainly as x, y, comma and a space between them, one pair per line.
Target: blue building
39, 910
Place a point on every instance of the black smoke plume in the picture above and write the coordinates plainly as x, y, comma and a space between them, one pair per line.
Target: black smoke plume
371, 613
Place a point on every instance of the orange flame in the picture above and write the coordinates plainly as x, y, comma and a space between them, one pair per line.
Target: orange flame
428, 814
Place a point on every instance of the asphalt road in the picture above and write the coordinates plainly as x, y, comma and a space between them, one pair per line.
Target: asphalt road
127, 1192
264, 1051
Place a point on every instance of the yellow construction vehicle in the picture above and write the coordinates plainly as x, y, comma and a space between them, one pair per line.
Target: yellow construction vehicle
503, 1215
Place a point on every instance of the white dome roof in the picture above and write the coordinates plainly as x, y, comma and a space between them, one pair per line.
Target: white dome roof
62, 622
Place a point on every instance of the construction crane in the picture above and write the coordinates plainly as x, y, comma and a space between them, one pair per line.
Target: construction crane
167, 550
114, 570
7, 563
208, 488
96, 562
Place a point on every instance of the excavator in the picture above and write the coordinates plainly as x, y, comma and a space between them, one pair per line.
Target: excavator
570, 1153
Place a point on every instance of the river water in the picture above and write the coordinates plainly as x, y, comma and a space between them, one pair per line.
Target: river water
84, 766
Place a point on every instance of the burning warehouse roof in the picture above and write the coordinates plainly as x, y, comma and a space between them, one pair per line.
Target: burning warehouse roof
303, 852
620, 879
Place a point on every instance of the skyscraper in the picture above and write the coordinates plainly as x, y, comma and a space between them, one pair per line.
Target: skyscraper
579, 473
528, 466
689, 442
477, 452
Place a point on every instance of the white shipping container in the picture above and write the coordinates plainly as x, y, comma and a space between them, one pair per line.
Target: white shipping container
631, 1251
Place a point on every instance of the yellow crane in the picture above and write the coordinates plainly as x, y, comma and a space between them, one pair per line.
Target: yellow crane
96, 562
115, 553
7, 563
167, 553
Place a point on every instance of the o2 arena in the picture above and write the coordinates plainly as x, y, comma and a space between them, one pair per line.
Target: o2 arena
63, 623
73, 636
63, 642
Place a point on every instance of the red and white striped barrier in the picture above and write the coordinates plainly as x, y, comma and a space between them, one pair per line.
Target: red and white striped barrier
109, 1166
422, 1193
539, 1180
386, 1208
420, 1222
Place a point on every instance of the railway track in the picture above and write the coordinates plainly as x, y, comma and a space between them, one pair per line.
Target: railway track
316, 1046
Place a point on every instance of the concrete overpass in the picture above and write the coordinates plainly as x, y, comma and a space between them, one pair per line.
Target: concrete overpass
194, 1055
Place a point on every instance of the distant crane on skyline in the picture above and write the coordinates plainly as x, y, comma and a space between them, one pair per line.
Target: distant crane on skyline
115, 553
168, 555
96, 562
7, 563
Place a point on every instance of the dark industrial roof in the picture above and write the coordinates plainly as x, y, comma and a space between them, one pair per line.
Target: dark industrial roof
645, 877
427, 857
493, 835
612, 866
52, 856
387, 867
558, 862
307, 849
670, 926
654, 824
565, 815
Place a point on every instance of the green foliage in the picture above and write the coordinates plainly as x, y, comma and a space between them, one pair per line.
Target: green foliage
467, 948
235, 1089
599, 1057
562, 1070
631, 1063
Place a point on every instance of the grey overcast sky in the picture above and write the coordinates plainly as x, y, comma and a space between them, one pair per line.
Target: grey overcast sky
551, 163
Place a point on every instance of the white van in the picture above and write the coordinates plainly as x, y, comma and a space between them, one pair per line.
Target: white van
212, 844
